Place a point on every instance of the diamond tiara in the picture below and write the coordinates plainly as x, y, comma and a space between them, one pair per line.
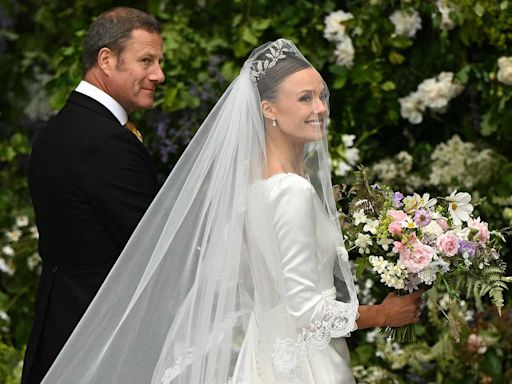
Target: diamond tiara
275, 53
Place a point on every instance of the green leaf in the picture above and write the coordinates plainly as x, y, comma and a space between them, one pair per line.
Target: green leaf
248, 36
396, 58
488, 125
388, 86
400, 42
479, 9
463, 74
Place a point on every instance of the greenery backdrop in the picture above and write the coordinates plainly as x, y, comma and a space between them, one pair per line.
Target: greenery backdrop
415, 134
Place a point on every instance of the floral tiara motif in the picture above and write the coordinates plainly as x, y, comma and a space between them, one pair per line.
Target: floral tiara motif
275, 52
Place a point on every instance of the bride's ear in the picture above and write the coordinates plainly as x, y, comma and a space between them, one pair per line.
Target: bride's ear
268, 109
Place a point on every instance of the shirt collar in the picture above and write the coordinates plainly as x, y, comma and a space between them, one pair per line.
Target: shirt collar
103, 98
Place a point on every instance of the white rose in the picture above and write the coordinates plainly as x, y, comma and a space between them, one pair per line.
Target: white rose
505, 70
433, 93
334, 28
406, 23
345, 52
411, 108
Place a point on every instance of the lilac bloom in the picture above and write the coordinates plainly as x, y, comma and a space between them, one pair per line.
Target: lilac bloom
397, 199
422, 217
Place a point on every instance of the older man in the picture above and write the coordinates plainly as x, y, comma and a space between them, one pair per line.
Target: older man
91, 178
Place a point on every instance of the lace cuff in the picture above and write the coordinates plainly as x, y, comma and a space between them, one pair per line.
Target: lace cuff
338, 321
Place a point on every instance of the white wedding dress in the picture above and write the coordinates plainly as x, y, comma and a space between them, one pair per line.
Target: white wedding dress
307, 250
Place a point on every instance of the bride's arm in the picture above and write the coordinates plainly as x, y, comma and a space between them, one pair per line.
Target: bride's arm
394, 311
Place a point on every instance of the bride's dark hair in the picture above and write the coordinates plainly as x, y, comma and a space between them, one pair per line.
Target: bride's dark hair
269, 82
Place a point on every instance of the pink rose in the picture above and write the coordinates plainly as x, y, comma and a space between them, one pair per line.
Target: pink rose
482, 228
417, 259
395, 228
396, 215
448, 243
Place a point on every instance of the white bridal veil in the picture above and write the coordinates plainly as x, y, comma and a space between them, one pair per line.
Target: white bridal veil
177, 304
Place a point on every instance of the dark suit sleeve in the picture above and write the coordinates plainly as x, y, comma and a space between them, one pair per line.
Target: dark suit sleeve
123, 183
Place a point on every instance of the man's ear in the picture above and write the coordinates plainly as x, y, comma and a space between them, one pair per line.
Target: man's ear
268, 109
106, 60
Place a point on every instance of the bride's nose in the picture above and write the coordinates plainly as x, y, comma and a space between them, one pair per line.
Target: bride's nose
319, 107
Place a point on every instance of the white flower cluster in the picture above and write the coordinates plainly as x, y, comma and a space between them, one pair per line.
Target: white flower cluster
391, 274
396, 170
456, 163
505, 70
349, 154
13, 235
406, 23
373, 375
363, 291
335, 31
433, 93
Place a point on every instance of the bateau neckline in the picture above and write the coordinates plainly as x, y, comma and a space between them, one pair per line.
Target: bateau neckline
305, 176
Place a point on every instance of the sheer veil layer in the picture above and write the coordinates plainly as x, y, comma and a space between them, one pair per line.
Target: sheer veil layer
198, 273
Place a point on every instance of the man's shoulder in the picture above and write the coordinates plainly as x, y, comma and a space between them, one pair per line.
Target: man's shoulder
81, 109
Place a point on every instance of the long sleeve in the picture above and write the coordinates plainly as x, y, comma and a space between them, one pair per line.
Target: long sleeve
307, 247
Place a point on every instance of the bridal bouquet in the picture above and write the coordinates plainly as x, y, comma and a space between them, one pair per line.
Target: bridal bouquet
416, 241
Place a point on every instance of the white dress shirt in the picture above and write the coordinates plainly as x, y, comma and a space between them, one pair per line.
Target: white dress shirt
103, 98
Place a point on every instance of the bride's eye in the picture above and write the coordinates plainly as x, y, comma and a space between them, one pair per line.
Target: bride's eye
306, 98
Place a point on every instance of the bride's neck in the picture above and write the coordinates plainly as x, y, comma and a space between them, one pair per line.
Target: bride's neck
284, 157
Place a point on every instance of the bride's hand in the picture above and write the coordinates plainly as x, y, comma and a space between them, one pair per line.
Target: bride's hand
401, 310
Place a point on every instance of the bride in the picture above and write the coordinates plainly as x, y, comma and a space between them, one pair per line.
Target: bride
229, 277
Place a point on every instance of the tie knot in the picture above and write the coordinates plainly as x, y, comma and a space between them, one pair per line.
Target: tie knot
132, 128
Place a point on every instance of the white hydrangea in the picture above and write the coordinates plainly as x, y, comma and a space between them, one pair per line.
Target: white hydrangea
434, 93
406, 23
345, 52
505, 70
334, 27
459, 164
389, 170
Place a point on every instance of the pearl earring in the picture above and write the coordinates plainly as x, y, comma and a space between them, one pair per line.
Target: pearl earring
274, 122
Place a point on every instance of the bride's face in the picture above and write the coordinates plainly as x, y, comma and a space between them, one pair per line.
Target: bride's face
300, 107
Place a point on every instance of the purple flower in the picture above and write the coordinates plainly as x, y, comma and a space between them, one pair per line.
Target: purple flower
467, 247
422, 217
397, 199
